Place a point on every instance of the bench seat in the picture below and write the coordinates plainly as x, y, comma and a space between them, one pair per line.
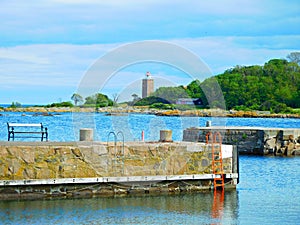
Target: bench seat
12, 130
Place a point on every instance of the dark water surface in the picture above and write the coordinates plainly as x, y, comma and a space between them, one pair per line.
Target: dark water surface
268, 192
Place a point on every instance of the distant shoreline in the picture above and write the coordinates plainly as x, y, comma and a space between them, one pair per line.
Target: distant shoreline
44, 111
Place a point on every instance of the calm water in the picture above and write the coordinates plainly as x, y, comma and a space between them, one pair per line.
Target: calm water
268, 192
65, 127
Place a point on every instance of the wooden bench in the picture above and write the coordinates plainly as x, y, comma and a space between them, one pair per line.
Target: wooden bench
36, 130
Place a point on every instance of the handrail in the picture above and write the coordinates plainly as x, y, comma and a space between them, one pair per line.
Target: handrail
117, 157
115, 140
120, 132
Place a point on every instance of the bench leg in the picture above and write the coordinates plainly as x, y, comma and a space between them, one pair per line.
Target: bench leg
11, 135
46, 136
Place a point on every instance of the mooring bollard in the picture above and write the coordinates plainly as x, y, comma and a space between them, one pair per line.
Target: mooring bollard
165, 136
143, 135
86, 134
208, 123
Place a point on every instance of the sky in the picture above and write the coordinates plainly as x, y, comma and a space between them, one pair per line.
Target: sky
48, 46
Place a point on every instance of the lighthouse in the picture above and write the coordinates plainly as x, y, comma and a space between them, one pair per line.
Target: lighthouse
148, 85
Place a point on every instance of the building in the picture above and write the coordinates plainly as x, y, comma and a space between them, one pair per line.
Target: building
189, 101
148, 85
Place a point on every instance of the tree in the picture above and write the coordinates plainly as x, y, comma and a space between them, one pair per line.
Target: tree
115, 98
294, 57
77, 98
171, 94
103, 100
98, 100
151, 100
15, 105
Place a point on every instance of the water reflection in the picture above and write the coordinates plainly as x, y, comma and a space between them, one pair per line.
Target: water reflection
195, 208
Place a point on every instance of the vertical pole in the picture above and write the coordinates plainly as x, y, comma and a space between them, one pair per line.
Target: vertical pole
143, 135
235, 163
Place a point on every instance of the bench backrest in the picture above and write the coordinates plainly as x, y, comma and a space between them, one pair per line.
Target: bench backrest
24, 124
12, 126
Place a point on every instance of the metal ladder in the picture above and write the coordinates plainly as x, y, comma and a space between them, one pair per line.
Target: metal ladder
118, 159
215, 140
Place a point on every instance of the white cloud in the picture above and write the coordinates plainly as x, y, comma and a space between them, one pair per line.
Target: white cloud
91, 21
63, 65
23, 55
221, 53
52, 43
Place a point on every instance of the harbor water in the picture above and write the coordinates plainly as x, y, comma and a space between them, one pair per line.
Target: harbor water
268, 192
66, 126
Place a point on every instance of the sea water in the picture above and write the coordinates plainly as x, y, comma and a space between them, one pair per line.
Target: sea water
66, 126
268, 192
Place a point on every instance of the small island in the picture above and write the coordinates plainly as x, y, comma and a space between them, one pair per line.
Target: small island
271, 90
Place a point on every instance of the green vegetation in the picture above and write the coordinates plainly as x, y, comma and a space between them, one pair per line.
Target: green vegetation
77, 98
171, 94
98, 100
60, 104
151, 100
162, 106
15, 105
273, 87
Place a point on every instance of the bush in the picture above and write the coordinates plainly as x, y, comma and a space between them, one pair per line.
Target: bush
162, 106
60, 104
150, 101
15, 105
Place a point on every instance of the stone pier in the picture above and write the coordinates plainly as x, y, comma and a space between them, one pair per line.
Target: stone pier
252, 140
96, 168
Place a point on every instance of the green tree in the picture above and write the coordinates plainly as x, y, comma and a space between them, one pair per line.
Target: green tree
98, 100
170, 94
252, 86
150, 101
77, 98
294, 57
15, 105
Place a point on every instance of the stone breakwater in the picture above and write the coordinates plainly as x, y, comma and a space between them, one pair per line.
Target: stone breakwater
29, 162
252, 140
43, 111
67, 160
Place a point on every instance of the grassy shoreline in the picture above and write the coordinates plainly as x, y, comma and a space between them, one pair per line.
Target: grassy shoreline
145, 110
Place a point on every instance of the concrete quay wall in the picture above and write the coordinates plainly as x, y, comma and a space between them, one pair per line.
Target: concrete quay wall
252, 140
69, 168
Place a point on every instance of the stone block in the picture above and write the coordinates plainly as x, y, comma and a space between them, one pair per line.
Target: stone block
290, 148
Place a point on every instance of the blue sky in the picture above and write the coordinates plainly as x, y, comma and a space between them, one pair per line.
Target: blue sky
46, 46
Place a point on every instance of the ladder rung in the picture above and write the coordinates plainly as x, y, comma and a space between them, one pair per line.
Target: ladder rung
217, 160
215, 183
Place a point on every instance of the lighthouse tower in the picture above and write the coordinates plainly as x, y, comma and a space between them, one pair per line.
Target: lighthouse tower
148, 85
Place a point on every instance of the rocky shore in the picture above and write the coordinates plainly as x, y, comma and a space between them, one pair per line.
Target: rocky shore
111, 111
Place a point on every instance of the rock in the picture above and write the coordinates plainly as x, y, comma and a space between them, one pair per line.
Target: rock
289, 149
76, 152
270, 145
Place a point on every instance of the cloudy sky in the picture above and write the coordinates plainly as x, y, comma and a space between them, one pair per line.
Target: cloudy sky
47, 46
